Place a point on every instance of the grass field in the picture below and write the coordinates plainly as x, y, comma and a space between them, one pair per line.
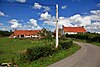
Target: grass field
11, 48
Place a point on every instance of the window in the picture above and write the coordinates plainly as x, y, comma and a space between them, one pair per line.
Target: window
22, 35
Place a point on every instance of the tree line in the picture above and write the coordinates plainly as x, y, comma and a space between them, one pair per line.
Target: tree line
5, 33
89, 37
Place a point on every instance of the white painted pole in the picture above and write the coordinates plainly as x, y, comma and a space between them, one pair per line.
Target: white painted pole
56, 25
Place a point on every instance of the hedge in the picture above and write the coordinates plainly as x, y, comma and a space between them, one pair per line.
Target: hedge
66, 44
89, 37
34, 53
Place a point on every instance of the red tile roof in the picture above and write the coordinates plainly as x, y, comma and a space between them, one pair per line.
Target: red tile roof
74, 29
26, 32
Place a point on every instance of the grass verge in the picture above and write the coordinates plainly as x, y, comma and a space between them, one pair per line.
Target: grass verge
98, 44
79, 40
43, 62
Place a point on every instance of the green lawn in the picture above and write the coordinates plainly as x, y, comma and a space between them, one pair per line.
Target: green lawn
11, 48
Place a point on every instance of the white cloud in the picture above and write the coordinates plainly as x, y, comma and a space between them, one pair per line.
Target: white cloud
20, 25
50, 23
94, 27
95, 15
4, 29
77, 19
61, 17
37, 6
64, 21
90, 22
95, 11
96, 23
46, 8
25, 26
1, 24
98, 5
2, 14
22, 1
64, 7
14, 23
33, 24
87, 21
45, 16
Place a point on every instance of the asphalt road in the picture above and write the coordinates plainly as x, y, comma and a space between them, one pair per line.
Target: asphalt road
87, 56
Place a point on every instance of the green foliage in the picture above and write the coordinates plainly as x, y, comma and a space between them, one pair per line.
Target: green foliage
98, 44
66, 44
12, 47
5, 33
45, 33
89, 37
35, 53
57, 56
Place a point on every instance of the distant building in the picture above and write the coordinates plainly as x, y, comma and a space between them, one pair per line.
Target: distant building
60, 32
25, 34
73, 30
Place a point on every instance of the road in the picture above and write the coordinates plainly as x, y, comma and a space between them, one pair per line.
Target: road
87, 56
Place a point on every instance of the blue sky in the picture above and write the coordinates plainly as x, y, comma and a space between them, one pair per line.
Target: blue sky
36, 14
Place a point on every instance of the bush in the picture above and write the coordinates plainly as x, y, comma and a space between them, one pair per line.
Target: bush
35, 53
66, 44
89, 37
5, 33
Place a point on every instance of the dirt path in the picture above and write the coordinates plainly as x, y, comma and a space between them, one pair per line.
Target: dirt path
87, 56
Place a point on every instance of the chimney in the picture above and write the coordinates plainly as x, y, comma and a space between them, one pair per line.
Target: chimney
83, 26
62, 26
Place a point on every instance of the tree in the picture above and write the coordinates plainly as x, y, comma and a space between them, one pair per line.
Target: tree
45, 33
5, 33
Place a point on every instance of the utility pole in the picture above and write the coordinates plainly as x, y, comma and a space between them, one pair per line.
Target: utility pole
56, 25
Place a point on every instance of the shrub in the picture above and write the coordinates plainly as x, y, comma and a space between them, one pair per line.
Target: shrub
35, 53
89, 37
66, 44
1, 52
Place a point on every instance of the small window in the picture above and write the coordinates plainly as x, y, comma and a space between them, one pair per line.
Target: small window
22, 35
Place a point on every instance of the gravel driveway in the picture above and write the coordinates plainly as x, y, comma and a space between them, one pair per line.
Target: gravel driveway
87, 56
